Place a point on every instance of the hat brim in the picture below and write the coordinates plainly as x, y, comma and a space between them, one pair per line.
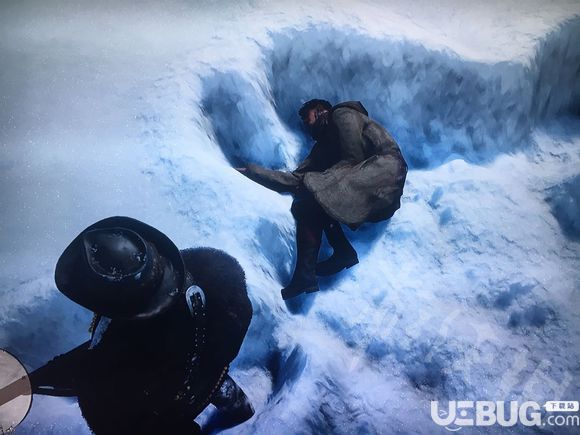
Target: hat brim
73, 285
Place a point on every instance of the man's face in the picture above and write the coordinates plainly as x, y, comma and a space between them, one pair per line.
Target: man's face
316, 122
310, 118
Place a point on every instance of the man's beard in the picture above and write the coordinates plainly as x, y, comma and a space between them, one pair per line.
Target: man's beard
320, 129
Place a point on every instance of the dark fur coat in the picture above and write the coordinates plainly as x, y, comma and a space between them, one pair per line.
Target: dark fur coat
143, 376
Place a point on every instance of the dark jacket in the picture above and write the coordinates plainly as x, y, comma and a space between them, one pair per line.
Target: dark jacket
147, 376
356, 173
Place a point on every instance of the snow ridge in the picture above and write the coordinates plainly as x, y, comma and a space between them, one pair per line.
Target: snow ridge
437, 105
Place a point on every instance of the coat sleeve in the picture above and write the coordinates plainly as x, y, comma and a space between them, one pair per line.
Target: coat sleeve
287, 182
60, 376
278, 181
349, 126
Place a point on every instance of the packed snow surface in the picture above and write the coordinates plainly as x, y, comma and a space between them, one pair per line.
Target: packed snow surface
471, 291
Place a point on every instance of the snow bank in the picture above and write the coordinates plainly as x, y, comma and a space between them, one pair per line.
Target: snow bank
436, 104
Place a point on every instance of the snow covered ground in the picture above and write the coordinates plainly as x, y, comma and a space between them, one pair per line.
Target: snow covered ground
471, 291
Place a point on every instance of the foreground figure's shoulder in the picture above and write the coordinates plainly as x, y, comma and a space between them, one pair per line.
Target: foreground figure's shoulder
210, 263
207, 254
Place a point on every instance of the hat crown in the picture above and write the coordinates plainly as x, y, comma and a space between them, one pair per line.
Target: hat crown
115, 253
121, 268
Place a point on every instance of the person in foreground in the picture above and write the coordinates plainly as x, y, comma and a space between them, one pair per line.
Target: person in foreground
354, 174
167, 325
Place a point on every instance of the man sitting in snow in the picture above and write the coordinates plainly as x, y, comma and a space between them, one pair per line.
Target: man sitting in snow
354, 174
168, 323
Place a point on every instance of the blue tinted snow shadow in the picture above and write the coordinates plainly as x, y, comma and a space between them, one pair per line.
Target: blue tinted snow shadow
301, 304
564, 200
63, 326
437, 105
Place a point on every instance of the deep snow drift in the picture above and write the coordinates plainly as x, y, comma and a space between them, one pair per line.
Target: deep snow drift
469, 292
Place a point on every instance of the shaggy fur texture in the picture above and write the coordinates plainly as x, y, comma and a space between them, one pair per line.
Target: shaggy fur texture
229, 310
136, 374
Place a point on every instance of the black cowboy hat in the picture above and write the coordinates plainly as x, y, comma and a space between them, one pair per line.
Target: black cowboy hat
121, 267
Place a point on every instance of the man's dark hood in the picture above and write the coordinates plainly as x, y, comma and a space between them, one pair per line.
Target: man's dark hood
355, 105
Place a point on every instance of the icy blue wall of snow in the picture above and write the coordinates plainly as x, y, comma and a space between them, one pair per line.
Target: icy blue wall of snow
437, 105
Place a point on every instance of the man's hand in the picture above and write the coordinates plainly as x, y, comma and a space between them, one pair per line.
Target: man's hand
276, 180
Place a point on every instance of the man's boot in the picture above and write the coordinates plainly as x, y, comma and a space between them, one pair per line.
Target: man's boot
344, 255
233, 407
304, 278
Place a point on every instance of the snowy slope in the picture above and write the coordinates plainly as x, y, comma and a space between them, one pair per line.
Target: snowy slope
469, 292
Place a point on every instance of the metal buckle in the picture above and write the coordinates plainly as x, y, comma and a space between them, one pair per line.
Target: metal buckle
195, 298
